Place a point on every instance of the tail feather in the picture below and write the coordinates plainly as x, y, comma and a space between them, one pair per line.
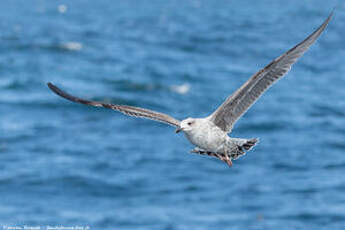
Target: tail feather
249, 144
246, 146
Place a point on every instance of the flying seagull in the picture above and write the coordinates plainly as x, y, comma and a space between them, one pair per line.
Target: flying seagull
210, 134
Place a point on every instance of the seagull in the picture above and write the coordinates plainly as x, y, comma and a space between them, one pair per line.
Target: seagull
210, 134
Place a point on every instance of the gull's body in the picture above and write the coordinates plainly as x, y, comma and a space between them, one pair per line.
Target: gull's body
206, 135
212, 140
210, 134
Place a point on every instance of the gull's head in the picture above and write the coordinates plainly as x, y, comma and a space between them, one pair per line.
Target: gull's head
186, 125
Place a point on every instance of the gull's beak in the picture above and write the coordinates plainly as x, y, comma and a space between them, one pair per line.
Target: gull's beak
179, 129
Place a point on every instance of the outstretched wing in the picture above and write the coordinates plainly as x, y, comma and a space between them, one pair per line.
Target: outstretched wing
128, 110
239, 102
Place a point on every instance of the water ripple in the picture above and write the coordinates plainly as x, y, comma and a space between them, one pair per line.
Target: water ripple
63, 163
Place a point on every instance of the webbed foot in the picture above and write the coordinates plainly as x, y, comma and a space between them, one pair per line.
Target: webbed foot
225, 157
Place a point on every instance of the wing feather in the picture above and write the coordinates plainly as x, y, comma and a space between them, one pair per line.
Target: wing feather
128, 110
239, 102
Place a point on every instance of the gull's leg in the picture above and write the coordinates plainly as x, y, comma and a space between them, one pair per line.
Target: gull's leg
226, 158
220, 156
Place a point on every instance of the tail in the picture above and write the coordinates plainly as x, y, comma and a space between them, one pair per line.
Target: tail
248, 145
238, 147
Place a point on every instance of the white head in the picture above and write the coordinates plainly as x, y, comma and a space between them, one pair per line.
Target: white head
186, 125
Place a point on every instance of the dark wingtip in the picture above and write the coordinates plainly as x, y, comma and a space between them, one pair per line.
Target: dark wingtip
334, 8
54, 88
51, 86
331, 15
326, 22
58, 91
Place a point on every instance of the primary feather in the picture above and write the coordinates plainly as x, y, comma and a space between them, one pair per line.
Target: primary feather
243, 98
126, 109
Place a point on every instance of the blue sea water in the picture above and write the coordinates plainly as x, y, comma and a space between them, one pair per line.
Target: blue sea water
65, 164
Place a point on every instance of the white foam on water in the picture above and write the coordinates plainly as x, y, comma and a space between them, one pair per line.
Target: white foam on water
74, 46
181, 89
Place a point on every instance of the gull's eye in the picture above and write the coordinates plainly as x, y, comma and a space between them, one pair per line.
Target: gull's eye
190, 123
